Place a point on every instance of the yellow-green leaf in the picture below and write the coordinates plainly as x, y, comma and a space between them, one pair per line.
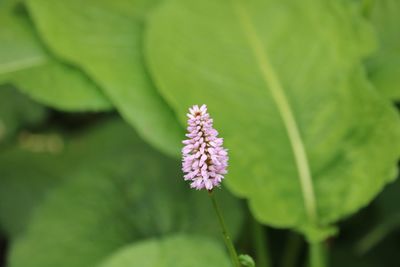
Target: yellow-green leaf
105, 39
310, 141
384, 65
25, 63
177, 251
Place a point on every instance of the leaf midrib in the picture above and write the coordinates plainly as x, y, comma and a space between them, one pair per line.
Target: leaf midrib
272, 81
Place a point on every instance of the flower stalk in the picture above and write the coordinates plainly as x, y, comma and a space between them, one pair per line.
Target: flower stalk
228, 241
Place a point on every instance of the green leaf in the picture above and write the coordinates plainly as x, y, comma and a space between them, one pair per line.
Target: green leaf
105, 39
122, 191
177, 251
38, 162
25, 178
25, 63
16, 111
310, 141
384, 65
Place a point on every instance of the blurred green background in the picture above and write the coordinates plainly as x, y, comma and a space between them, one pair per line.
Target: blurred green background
93, 97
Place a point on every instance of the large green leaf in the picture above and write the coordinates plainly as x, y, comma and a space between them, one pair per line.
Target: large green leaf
25, 177
38, 162
16, 111
384, 65
26, 64
119, 192
105, 39
310, 141
177, 251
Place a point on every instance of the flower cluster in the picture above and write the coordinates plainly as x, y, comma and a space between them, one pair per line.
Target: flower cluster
204, 159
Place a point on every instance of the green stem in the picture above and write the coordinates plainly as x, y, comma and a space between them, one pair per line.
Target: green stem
225, 233
317, 255
261, 245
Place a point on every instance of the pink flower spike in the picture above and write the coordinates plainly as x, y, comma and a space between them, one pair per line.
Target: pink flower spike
205, 161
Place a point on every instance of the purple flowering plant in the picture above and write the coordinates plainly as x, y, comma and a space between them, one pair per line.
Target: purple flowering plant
205, 163
308, 140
